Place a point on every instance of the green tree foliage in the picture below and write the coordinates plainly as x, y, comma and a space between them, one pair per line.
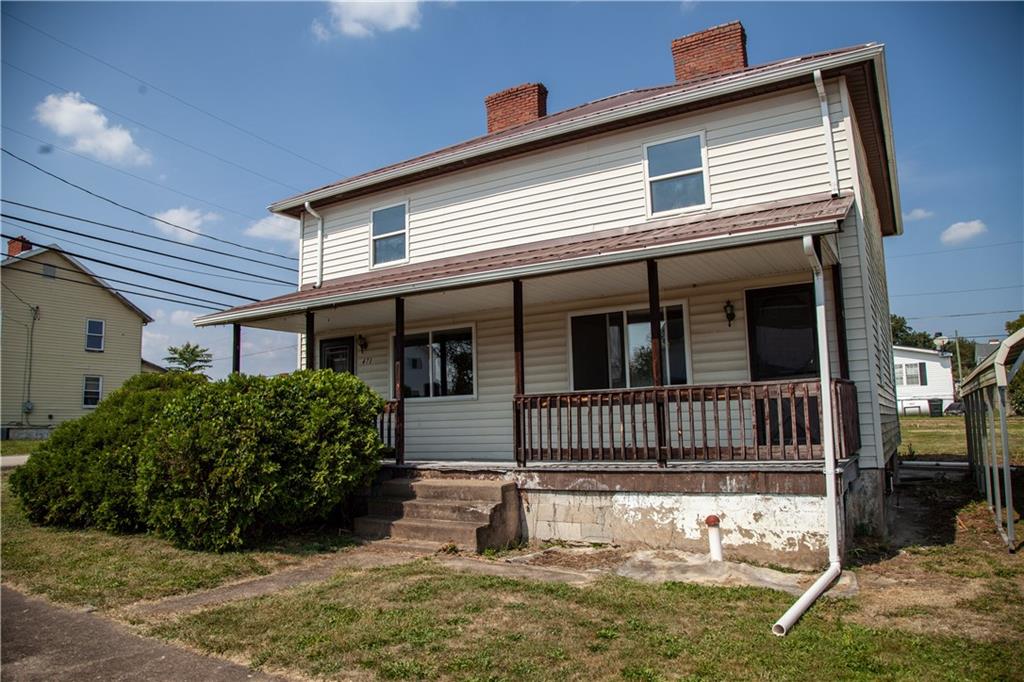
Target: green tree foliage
967, 356
188, 357
253, 454
84, 475
1016, 388
904, 335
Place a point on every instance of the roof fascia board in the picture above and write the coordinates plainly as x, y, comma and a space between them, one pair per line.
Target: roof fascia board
526, 271
656, 103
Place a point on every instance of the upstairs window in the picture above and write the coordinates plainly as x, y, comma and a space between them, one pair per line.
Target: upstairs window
94, 333
613, 350
676, 174
92, 391
388, 234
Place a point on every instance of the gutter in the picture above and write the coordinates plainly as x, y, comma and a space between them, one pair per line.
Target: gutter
319, 246
826, 124
696, 245
784, 624
872, 51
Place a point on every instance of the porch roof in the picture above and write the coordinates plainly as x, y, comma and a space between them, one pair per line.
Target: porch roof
759, 223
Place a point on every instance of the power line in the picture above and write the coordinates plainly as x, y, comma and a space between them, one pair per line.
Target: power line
148, 236
141, 213
990, 312
127, 291
64, 240
124, 281
144, 249
957, 291
143, 272
961, 248
171, 95
16, 296
259, 352
155, 130
130, 174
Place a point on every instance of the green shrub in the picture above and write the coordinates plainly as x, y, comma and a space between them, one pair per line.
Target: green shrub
237, 458
84, 475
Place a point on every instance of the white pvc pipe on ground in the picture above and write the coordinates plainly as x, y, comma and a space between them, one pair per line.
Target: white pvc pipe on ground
714, 538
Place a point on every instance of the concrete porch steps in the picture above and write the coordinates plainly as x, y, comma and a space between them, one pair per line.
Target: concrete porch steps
473, 514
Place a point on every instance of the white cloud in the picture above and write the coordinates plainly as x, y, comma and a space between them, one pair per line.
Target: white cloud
364, 19
91, 133
917, 214
274, 227
185, 217
182, 318
958, 233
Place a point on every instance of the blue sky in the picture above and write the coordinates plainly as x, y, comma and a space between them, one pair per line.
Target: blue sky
352, 89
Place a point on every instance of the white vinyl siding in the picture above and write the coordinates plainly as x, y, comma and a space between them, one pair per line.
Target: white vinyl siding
759, 150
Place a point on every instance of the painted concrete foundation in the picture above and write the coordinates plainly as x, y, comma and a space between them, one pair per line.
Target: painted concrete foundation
787, 530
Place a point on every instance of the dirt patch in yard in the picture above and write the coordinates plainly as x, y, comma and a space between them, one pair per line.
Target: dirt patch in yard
578, 559
948, 571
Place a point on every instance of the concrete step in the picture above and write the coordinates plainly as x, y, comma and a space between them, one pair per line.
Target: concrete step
473, 511
446, 489
461, 533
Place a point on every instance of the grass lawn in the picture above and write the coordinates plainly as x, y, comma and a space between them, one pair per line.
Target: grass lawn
945, 436
18, 447
80, 567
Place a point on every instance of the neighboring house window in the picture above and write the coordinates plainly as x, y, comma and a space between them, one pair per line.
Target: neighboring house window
916, 374
439, 363
676, 174
899, 375
388, 234
49, 271
91, 392
94, 332
613, 349
782, 333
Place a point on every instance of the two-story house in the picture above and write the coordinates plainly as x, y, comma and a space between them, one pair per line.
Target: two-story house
654, 307
68, 339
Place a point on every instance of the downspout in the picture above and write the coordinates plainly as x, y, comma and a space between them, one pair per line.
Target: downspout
830, 146
319, 245
835, 568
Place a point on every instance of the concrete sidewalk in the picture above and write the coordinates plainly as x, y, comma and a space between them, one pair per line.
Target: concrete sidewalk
45, 642
11, 461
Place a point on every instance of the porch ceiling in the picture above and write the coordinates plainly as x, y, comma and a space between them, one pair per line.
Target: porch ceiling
711, 244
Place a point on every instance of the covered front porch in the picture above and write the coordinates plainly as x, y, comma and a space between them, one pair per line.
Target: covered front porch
664, 356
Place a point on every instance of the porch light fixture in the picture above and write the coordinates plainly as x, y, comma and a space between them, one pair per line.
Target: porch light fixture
730, 312
361, 342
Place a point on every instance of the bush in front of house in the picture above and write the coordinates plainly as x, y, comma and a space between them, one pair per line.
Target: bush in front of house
84, 474
239, 458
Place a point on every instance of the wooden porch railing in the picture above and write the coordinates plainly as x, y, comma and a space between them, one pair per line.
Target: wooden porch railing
778, 420
386, 427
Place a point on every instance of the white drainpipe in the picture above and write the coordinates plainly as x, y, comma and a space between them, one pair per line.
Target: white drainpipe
784, 624
826, 123
319, 245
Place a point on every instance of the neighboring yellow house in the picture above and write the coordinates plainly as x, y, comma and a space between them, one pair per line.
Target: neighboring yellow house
67, 339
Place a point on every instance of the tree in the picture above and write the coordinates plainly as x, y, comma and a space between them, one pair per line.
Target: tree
904, 335
189, 357
1014, 325
1016, 387
967, 356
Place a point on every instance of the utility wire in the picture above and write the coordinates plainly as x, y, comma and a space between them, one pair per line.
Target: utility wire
961, 248
144, 249
957, 291
32, 307
64, 240
47, 143
138, 212
171, 95
258, 352
143, 272
147, 236
124, 281
126, 291
990, 312
155, 130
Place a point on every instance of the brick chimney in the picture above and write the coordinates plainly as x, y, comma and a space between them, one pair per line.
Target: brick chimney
515, 106
18, 245
715, 50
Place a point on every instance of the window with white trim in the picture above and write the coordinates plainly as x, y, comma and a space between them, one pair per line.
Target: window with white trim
388, 231
899, 375
613, 349
95, 330
439, 363
676, 174
92, 390
912, 373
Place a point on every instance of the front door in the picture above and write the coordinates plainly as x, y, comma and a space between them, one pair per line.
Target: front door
338, 354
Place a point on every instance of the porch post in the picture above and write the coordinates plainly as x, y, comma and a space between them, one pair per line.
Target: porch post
236, 346
310, 340
518, 369
654, 302
399, 380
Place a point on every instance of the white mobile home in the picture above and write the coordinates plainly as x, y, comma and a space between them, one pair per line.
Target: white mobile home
924, 380
643, 310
